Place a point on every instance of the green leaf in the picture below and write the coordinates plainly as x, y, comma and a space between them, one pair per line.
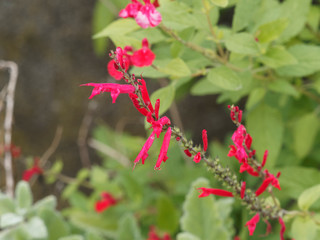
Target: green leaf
265, 125
36, 228
225, 78
304, 229
10, 219
6, 205
220, 3
308, 57
119, 27
277, 56
54, 170
205, 87
243, 43
72, 237
309, 197
23, 196
255, 97
305, 130
128, 228
201, 216
176, 68
49, 202
296, 12
166, 96
102, 16
271, 30
167, 215
283, 86
56, 226
98, 176
244, 14
187, 236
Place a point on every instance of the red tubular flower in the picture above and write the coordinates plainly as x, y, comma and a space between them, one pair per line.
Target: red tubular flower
251, 224
205, 140
121, 58
152, 235
197, 157
113, 72
145, 94
263, 186
158, 125
188, 153
235, 112
130, 10
34, 170
106, 202
246, 167
269, 228
265, 156
144, 151
164, 149
114, 88
143, 57
283, 228
248, 141
156, 108
219, 192
135, 102
243, 189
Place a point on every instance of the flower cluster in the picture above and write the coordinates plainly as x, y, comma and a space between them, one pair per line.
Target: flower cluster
145, 15
142, 57
106, 202
34, 170
15, 150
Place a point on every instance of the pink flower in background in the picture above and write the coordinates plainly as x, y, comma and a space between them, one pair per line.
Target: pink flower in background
152, 235
144, 56
219, 192
106, 202
34, 170
114, 88
145, 15
164, 149
251, 224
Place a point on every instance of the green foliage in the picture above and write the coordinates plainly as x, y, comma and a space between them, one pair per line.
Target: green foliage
308, 197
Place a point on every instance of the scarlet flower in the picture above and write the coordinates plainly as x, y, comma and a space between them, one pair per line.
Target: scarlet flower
156, 108
274, 180
122, 58
263, 186
158, 125
251, 224
145, 15
197, 157
34, 170
152, 235
113, 72
106, 202
205, 140
145, 94
246, 167
243, 189
238, 150
219, 192
265, 156
136, 103
114, 88
235, 113
144, 151
144, 56
187, 152
164, 149
283, 228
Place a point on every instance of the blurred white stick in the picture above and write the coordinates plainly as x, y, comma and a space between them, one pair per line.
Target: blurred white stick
13, 71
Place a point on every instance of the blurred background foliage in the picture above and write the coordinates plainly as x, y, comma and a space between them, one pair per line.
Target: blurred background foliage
270, 67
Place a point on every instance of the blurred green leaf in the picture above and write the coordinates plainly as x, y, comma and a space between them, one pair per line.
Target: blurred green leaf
49, 202
244, 14
201, 216
36, 228
284, 87
10, 219
308, 57
118, 27
309, 197
128, 228
304, 229
205, 87
265, 125
225, 78
220, 3
6, 205
305, 130
243, 43
54, 170
72, 237
167, 215
277, 56
271, 30
166, 96
255, 97
23, 196
187, 236
176, 68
